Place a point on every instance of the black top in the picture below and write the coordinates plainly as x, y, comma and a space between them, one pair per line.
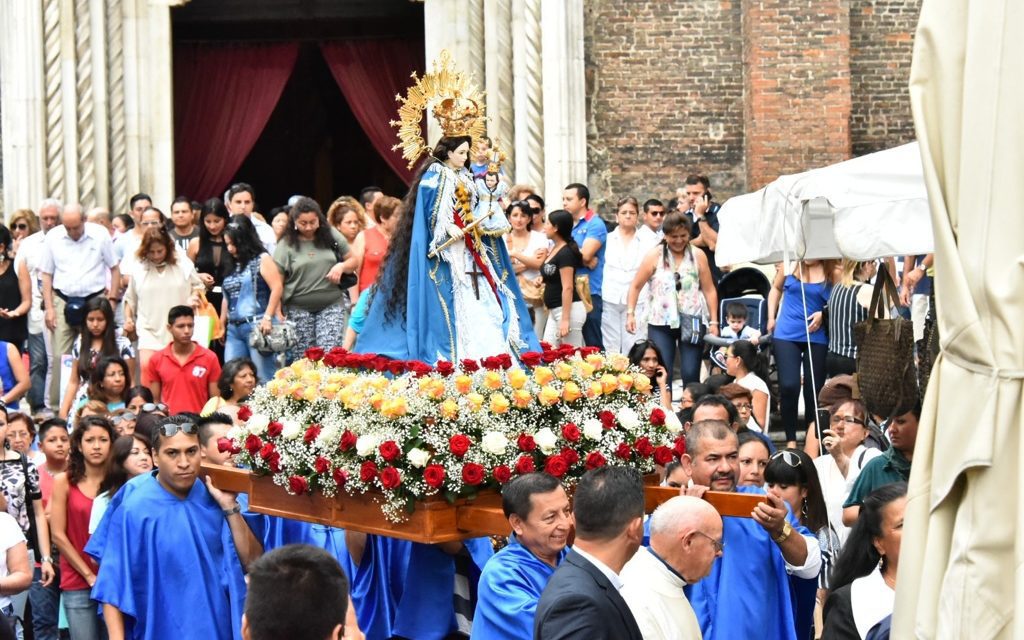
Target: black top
549, 271
839, 624
213, 259
13, 330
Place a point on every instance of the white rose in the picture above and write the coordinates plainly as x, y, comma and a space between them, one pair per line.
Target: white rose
494, 442
418, 457
366, 445
593, 429
257, 424
628, 419
546, 440
329, 436
672, 422
291, 429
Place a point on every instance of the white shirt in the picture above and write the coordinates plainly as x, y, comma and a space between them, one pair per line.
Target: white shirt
31, 254
265, 233
655, 597
754, 383
871, 600
79, 267
621, 261
602, 567
835, 488
10, 535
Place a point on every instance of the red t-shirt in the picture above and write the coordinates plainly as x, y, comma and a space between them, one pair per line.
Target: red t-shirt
184, 387
375, 248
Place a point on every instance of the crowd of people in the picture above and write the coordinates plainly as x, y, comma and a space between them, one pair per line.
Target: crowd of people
128, 343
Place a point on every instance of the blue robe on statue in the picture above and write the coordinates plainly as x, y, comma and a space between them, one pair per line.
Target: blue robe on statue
429, 329
168, 564
510, 587
747, 594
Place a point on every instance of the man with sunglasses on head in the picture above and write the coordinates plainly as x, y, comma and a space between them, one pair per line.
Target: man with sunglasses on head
764, 550
172, 549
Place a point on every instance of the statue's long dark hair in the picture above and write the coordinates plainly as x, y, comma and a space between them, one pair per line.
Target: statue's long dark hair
393, 279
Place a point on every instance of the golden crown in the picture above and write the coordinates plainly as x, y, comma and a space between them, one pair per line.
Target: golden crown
453, 100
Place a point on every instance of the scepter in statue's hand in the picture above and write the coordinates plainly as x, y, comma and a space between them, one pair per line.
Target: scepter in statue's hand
457, 233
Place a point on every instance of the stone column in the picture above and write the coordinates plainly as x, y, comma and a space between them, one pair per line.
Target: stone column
458, 26
498, 77
565, 134
528, 93
23, 122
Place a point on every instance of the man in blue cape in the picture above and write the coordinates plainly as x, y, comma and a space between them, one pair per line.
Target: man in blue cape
538, 510
172, 550
747, 594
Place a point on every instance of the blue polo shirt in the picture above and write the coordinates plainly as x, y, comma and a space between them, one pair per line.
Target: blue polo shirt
593, 228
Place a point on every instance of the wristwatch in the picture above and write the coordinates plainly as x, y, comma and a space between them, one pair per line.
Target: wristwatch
786, 531
236, 509
46, 559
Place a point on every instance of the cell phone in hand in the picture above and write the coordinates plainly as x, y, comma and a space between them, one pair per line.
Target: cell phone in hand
822, 422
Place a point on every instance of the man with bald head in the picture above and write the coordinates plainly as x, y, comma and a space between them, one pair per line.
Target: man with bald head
686, 538
77, 265
764, 550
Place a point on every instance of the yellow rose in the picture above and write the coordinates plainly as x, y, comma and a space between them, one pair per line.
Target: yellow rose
300, 366
450, 409
594, 389
543, 375
394, 408
492, 380
618, 361
517, 378
563, 370
596, 360
423, 386
276, 387
475, 401
499, 403
609, 383
548, 395
642, 384
296, 390
282, 374
522, 398
376, 400
330, 391
311, 377
625, 381
310, 394
463, 383
584, 368
571, 392
379, 382
437, 389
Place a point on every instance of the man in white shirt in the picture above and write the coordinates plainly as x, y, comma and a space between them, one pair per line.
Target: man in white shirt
40, 350
78, 263
686, 537
240, 201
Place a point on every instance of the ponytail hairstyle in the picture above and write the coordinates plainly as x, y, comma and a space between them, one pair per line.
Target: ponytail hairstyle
561, 220
754, 362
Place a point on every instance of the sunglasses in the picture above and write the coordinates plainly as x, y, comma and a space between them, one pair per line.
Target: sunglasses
719, 544
788, 457
656, 214
150, 407
127, 416
847, 419
679, 281
168, 430
21, 226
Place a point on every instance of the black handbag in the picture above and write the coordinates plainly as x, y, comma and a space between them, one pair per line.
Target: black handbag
348, 280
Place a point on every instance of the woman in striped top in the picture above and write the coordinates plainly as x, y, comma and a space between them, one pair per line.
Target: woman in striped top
847, 306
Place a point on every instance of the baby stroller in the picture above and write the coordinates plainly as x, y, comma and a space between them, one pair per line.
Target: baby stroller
749, 287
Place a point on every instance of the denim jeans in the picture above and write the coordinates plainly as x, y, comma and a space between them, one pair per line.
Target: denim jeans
789, 356
592, 327
83, 616
668, 343
236, 345
38, 364
44, 602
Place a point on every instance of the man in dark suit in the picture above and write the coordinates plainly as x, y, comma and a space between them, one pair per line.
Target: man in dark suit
582, 598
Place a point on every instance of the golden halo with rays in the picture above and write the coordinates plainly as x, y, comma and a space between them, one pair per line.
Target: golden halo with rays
454, 102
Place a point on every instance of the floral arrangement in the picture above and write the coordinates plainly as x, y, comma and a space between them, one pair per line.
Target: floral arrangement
405, 431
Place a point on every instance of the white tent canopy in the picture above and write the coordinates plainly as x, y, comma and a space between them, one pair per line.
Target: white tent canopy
865, 208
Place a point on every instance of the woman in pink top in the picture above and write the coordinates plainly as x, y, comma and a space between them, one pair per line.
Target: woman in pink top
70, 508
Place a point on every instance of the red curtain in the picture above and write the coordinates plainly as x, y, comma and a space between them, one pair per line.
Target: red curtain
370, 73
224, 95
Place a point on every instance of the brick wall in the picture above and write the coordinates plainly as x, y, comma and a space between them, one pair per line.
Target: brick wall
881, 46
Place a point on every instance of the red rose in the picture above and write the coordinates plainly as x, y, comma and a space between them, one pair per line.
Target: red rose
595, 460
368, 471
680, 446
274, 462
396, 367
545, 346
472, 473
607, 419
433, 475
566, 351
525, 442
663, 455
491, 363
570, 456
340, 476
311, 434
389, 450
316, 354
253, 444
418, 368
524, 465
657, 417
380, 363
556, 466
224, 445
469, 366
274, 429
390, 478
644, 447
586, 351
348, 441
531, 358
298, 485
459, 445
321, 464
623, 451
335, 359
571, 432
502, 473
265, 450
505, 360
550, 356
244, 413
445, 368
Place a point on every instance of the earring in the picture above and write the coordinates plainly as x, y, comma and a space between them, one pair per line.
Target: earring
803, 510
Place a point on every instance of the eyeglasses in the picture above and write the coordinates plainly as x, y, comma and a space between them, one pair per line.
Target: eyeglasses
719, 544
149, 407
745, 406
168, 430
836, 419
788, 457
20, 226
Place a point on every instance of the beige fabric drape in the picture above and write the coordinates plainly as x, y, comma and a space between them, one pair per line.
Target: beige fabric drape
961, 572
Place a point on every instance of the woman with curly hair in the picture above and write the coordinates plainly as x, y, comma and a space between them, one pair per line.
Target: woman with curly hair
110, 382
236, 383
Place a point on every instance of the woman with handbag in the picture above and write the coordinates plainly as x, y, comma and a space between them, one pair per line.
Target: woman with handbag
624, 251
847, 306
682, 300
527, 249
252, 295
558, 274
313, 258
799, 336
